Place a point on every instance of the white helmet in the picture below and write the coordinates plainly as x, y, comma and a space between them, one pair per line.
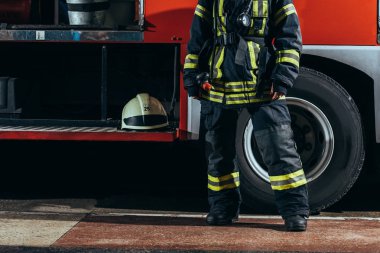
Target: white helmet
143, 113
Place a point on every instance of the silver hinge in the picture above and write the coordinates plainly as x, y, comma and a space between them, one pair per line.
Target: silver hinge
142, 13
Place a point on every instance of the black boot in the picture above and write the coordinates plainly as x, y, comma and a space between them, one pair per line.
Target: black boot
221, 217
295, 223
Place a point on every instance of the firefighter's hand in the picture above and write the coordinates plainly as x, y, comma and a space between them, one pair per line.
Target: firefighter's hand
275, 95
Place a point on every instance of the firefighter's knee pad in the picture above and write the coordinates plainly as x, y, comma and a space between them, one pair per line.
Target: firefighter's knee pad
278, 149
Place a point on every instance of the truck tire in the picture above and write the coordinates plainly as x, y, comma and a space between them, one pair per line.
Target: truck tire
329, 136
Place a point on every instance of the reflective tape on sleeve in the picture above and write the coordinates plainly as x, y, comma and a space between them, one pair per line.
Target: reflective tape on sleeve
191, 61
288, 56
282, 13
203, 13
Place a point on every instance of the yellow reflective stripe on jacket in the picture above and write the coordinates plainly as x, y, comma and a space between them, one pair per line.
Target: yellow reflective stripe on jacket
219, 58
218, 87
221, 26
242, 86
221, 20
282, 13
242, 95
244, 98
252, 49
223, 89
207, 97
236, 83
251, 30
262, 30
235, 99
191, 61
239, 99
260, 8
288, 181
203, 13
229, 181
212, 96
252, 55
288, 56
221, 6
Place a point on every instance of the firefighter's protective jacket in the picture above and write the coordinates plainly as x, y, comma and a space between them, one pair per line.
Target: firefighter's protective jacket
234, 62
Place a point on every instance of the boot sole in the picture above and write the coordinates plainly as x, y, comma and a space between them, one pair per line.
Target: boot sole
296, 229
223, 222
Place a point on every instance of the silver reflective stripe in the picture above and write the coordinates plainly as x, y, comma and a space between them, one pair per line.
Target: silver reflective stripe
289, 181
293, 56
244, 96
260, 3
229, 181
189, 60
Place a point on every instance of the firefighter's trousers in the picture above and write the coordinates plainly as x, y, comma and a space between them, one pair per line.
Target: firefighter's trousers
274, 137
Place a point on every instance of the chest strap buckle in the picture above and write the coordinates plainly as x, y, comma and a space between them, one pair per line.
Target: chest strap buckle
226, 39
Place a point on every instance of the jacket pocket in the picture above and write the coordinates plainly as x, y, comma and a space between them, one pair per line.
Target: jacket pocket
207, 115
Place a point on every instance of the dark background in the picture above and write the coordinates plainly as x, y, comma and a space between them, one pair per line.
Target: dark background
154, 176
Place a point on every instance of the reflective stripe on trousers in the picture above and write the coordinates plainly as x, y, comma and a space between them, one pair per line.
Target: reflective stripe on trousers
274, 137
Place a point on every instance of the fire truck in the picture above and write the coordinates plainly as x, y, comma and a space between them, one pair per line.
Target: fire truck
70, 82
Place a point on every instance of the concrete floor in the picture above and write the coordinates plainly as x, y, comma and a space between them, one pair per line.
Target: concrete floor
79, 225
155, 212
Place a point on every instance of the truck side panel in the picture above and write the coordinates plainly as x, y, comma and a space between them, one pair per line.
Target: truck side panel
338, 22
324, 22
363, 58
169, 21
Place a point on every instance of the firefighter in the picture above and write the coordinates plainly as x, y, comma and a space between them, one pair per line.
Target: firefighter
249, 51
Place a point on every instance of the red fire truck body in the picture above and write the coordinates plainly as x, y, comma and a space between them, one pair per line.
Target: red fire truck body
323, 23
335, 103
